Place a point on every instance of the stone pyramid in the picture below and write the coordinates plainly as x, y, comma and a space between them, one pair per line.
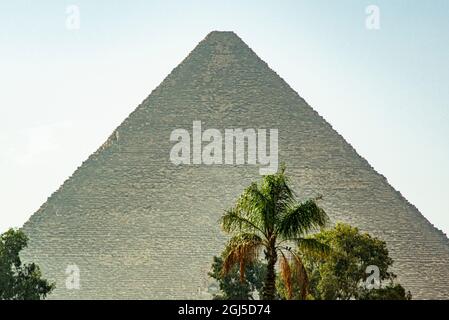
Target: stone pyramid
139, 227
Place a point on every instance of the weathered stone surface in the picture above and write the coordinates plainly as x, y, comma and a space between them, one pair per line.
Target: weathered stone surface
139, 227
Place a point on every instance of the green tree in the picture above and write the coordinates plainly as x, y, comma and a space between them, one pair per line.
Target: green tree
231, 288
267, 218
342, 274
19, 281
390, 292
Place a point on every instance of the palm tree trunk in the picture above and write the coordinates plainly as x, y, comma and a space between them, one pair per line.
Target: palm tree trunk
269, 288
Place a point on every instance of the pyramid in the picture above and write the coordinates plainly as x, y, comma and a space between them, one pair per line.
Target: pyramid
137, 226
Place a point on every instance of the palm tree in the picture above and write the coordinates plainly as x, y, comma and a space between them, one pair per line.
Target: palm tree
267, 217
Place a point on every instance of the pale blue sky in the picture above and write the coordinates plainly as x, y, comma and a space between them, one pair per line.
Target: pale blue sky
62, 92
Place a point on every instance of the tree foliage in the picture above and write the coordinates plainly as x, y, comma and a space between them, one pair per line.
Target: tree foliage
231, 286
19, 281
342, 274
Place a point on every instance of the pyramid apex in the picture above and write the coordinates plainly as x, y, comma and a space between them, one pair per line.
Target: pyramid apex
222, 32
222, 35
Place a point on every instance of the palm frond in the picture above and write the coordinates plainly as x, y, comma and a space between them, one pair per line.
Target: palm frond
279, 196
301, 274
277, 188
298, 272
242, 249
302, 219
286, 274
312, 246
257, 205
233, 221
